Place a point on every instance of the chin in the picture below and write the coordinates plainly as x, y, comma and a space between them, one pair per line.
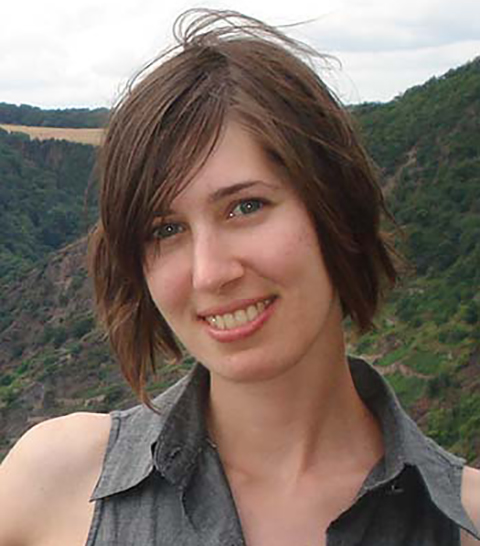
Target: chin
248, 367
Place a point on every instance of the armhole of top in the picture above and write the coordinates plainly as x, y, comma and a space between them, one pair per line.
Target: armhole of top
472, 522
98, 504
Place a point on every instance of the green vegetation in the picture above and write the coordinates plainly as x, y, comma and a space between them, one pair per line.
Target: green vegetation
427, 143
408, 389
457, 425
427, 341
69, 117
42, 184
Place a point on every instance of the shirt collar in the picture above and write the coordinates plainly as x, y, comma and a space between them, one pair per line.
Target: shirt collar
170, 440
141, 439
406, 446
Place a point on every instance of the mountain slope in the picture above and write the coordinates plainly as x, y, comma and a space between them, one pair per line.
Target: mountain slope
66, 117
53, 359
42, 184
427, 145
90, 136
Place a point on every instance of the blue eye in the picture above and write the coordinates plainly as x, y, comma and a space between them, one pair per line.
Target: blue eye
248, 206
165, 231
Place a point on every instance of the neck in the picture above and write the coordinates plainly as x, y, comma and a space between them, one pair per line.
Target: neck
305, 419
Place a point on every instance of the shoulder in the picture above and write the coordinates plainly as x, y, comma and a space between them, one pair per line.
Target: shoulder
471, 500
51, 466
72, 442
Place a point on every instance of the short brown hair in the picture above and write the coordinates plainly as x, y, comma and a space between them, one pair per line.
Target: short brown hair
166, 125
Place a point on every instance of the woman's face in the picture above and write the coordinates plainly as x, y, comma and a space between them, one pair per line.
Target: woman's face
236, 270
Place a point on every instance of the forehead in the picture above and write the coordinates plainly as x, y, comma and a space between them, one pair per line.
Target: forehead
236, 163
236, 151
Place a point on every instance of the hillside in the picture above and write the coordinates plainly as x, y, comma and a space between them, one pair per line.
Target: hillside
42, 184
427, 145
82, 136
53, 360
33, 116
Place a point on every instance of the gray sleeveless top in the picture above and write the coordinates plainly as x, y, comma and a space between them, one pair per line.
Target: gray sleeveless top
163, 483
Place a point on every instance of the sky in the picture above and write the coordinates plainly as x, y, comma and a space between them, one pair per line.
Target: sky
81, 53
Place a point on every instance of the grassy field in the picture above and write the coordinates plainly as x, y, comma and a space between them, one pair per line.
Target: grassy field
83, 136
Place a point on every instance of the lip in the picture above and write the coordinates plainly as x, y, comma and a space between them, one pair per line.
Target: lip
245, 330
232, 306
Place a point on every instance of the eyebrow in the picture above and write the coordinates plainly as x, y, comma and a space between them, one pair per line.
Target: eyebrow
228, 191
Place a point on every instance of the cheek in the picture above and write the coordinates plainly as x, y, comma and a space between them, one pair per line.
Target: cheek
291, 249
167, 286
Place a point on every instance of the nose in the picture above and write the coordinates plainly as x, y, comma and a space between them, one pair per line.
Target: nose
215, 263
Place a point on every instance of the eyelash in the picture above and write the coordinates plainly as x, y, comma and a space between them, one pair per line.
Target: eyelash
261, 203
257, 200
157, 231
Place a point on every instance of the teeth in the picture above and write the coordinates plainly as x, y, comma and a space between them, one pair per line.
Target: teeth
219, 322
229, 320
252, 312
241, 316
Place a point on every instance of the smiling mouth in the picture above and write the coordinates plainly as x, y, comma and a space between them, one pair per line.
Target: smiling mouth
240, 317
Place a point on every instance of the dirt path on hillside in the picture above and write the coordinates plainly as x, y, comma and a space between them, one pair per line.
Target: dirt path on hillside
400, 368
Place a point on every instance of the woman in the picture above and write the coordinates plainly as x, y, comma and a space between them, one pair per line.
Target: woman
240, 221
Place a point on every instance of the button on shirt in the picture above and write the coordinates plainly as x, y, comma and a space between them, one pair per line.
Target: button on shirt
163, 483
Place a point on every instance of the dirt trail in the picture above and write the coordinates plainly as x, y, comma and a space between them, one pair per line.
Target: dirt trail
401, 368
